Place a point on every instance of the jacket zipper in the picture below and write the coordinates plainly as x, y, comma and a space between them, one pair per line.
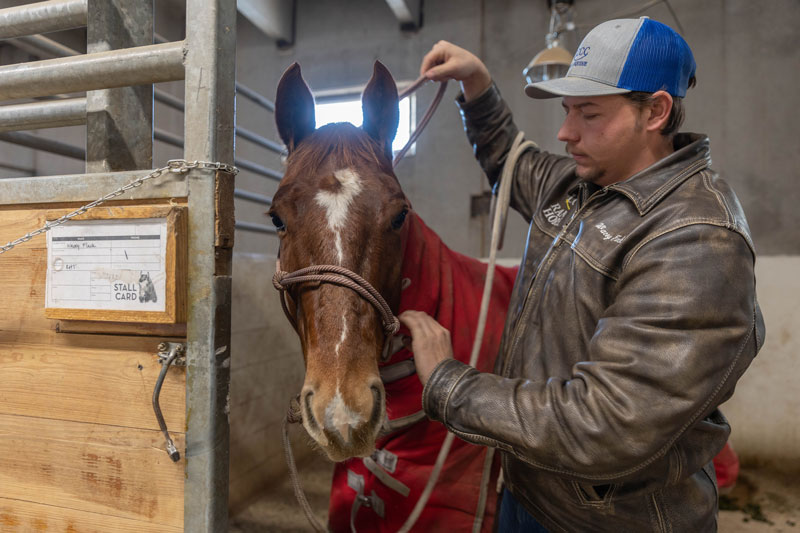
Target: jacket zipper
535, 280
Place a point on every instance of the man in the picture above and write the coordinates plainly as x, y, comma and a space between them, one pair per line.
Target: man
634, 312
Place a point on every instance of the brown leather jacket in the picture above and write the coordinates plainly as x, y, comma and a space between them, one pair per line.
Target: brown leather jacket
633, 316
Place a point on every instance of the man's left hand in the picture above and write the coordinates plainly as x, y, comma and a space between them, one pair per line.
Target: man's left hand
430, 342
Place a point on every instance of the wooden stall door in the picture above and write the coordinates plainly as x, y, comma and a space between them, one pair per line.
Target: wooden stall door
80, 448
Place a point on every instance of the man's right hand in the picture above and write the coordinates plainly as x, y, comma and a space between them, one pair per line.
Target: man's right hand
447, 61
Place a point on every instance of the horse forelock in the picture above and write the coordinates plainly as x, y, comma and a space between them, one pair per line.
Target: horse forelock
339, 145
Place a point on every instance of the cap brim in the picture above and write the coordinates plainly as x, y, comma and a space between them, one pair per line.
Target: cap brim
570, 86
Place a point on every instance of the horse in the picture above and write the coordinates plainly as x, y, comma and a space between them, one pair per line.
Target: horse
361, 255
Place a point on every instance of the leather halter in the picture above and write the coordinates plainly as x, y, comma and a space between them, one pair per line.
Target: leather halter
343, 277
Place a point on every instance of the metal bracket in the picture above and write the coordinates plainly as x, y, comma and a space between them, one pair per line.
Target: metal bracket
164, 350
169, 353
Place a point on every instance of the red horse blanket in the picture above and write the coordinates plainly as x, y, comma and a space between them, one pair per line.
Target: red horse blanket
447, 286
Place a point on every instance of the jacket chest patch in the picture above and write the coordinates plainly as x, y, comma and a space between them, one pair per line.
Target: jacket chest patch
555, 213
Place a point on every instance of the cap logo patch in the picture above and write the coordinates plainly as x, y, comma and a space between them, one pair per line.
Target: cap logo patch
582, 52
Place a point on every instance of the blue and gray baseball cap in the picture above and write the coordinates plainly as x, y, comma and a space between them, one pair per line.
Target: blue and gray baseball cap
624, 55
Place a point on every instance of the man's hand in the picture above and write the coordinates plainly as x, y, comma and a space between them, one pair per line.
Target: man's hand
430, 342
447, 61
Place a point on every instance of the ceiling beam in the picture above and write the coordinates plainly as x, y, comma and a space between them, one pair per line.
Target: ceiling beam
275, 18
408, 13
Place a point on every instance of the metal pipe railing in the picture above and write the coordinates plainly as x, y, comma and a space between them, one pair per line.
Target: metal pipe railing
252, 196
37, 43
48, 114
255, 97
258, 169
259, 140
245, 91
17, 168
244, 164
258, 228
42, 17
168, 99
167, 137
43, 144
43, 47
87, 72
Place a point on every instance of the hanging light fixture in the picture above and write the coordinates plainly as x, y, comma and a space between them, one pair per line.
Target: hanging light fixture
553, 62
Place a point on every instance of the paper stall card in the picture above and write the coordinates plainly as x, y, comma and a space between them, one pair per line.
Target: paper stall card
107, 265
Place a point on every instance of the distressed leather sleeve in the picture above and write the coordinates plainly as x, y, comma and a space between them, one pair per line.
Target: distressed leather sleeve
491, 131
682, 328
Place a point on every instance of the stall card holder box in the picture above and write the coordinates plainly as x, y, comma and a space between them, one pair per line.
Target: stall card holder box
119, 264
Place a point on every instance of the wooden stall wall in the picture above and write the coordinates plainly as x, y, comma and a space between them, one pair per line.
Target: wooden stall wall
80, 448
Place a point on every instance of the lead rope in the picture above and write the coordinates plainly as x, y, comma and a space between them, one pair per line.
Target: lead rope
498, 225
425, 119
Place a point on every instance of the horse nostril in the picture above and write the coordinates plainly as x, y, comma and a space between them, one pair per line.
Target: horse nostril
308, 413
377, 406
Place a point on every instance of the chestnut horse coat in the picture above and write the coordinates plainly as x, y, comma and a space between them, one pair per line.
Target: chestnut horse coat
447, 286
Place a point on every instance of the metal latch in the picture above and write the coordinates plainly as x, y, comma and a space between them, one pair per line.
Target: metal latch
169, 353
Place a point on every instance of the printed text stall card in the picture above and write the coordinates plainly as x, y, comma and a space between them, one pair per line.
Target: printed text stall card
107, 265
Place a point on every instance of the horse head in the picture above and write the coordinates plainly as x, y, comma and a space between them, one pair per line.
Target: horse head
339, 203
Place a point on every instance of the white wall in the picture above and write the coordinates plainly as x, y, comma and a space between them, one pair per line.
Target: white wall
765, 410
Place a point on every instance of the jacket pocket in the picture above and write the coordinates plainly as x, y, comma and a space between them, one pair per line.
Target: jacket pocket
708, 470
595, 496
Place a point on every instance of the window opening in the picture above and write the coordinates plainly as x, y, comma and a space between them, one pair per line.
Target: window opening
344, 105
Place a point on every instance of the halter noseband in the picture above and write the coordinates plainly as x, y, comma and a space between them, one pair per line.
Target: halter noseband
342, 277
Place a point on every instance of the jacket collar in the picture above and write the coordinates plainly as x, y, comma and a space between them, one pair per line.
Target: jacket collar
646, 188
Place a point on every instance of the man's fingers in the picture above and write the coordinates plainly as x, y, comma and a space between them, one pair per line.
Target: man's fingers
423, 327
430, 60
438, 73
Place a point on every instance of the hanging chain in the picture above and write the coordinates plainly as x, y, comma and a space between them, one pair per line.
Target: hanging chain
174, 166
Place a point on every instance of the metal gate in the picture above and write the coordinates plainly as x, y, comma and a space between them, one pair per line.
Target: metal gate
117, 72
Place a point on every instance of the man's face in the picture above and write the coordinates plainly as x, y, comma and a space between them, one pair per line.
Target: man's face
604, 135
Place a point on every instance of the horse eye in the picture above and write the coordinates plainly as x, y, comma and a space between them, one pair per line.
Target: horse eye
397, 222
279, 225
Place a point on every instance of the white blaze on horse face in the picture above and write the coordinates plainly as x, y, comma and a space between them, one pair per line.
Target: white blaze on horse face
340, 417
337, 203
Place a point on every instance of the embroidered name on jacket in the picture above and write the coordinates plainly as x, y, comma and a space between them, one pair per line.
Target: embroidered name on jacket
607, 235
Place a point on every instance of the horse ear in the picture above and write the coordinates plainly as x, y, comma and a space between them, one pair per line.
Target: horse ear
380, 107
294, 108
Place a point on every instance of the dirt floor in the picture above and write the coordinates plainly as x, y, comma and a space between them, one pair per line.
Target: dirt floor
762, 501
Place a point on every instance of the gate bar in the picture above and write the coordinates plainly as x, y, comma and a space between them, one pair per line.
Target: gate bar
42, 17
38, 43
240, 89
48, 114
43, 144
209, 136
87, 187
142, 65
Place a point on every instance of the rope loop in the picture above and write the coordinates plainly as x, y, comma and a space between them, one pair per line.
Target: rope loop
294, 415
